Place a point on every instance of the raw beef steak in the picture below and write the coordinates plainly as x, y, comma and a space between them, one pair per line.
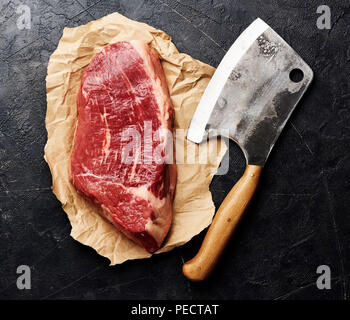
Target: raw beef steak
123, 90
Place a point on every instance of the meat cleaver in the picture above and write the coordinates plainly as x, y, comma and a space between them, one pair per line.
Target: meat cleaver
249, 99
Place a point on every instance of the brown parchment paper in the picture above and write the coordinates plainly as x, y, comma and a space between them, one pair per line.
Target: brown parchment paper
186, 78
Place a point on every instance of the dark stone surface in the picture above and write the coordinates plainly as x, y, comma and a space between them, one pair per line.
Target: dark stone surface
299, 219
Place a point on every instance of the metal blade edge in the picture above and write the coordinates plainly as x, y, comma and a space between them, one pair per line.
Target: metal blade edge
212, 92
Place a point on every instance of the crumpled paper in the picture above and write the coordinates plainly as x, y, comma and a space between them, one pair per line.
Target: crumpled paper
186, 78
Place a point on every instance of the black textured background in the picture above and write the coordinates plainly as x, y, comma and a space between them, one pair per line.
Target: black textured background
299, 219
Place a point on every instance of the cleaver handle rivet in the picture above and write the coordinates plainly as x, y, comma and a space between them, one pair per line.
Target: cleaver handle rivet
224, 224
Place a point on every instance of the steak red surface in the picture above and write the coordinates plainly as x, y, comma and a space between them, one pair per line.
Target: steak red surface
122, 90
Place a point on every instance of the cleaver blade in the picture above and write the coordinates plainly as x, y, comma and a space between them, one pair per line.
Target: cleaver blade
249, 99
251, 95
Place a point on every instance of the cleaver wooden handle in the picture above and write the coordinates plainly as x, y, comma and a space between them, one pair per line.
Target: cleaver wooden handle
223, 225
